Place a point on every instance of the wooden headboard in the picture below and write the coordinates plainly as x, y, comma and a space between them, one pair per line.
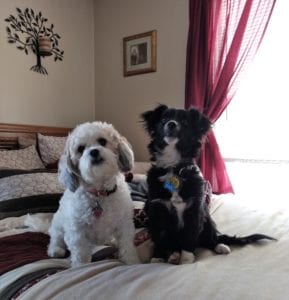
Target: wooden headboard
10, 133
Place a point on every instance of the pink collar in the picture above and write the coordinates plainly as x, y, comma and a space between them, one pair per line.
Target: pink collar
100, 193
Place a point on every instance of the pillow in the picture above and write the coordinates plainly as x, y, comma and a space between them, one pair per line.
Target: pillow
24, 159
51, 147
25, 142
28, 191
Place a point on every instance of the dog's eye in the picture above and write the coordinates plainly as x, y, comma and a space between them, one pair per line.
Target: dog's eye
80, 149
102, 141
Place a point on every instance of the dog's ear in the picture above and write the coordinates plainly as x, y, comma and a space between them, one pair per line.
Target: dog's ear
152, 117
125, 155
67, 172
203, 123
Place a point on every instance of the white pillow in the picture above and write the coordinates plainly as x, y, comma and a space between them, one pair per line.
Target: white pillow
51, 148
24, 159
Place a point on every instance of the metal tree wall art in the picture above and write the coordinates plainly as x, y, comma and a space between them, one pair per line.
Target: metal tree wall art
30, 31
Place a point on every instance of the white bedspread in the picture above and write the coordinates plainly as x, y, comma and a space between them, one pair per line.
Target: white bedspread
251, 272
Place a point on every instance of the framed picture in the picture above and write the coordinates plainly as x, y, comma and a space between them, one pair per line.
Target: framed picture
139, 53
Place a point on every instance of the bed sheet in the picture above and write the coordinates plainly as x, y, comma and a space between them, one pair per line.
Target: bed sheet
258, 271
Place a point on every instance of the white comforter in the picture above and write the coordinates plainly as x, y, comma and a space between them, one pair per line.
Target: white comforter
251, 272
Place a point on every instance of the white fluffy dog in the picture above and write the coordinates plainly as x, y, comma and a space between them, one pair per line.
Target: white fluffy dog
96, 204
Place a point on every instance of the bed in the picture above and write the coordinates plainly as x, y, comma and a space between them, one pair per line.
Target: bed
29, 195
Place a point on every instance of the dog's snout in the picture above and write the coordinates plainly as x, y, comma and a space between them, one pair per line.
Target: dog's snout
172, 125
96, 157
171, 129
94, 153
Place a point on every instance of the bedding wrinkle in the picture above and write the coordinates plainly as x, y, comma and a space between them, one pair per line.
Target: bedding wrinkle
247, 273
21, 249
9, 278
68, 284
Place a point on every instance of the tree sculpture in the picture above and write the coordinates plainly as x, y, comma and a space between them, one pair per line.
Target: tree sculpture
38, 36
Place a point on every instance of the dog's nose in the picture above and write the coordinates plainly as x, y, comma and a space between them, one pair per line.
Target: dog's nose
94, 153
172, 125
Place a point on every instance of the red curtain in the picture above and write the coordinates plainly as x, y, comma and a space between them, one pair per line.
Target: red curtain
223, 37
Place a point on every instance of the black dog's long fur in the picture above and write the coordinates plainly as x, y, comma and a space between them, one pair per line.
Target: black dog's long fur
176, 139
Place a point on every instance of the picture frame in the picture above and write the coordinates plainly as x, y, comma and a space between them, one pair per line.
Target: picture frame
140, 53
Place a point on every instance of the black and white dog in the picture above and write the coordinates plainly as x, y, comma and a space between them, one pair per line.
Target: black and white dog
178, 215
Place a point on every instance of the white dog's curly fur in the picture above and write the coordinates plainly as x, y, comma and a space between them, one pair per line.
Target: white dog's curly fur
96, 205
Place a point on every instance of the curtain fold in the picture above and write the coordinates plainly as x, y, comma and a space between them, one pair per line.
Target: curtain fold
223, 37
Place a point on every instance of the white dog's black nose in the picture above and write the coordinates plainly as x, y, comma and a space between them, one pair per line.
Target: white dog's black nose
95, 156
94, 153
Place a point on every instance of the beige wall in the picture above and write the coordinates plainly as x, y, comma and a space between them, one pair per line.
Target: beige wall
89, 83
119, 99
66, 96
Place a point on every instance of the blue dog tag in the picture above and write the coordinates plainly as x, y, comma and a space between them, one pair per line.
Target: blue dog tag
168, 186
172, 184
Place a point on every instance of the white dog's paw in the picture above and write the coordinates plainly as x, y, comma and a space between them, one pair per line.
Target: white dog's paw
187, 257
74, 263
174, 258
56, 251
157, 260
131, 261
129, 257
222, 249
77, 261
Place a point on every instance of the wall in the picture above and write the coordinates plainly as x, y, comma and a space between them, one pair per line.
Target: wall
89, 83
66, 96
119, 99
